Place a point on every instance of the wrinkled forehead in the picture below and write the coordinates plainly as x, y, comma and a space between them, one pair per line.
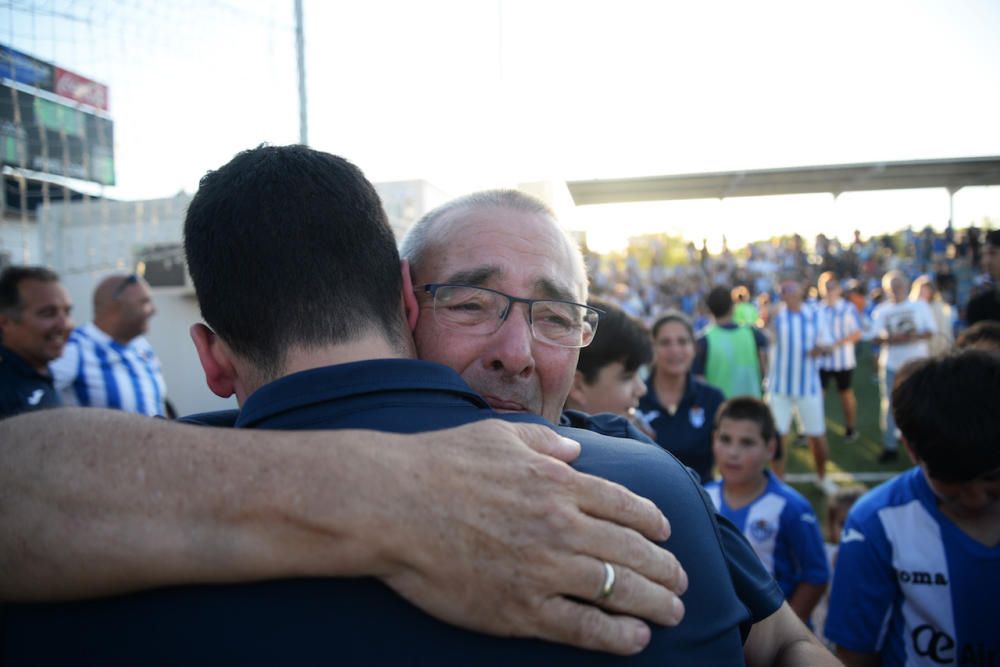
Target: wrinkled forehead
525, 253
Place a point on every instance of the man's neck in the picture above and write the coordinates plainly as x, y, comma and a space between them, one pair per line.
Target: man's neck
740, 495
110, 329
300, 359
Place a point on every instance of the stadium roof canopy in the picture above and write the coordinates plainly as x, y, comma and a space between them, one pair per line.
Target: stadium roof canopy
953, 174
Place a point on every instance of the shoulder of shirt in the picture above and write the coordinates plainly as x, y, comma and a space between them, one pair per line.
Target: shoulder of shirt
891, 493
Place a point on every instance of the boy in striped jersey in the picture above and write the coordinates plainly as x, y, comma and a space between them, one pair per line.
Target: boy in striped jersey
845, 328
799, 337
777, 520
918, 570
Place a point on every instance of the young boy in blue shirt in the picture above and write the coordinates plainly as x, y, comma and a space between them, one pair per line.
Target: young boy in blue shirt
777, 520
918, 570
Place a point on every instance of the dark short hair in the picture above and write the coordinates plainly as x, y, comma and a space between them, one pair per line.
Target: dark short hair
619, 337
986, 332
946, 408
290, 246
719, 301
750, 409
993, 238
10, 283
672, 316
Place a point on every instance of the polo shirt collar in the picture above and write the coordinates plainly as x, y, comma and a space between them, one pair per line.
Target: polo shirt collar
20, 366
351, 380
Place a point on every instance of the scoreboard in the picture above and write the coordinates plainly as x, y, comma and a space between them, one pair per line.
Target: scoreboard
54, 121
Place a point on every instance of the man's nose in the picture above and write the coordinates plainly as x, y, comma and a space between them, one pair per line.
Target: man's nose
511, 346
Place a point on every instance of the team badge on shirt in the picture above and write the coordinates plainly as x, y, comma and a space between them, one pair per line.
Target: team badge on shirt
762, 530
697, 416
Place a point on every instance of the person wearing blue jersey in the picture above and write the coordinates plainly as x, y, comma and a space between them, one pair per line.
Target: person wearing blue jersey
348, 364
918, 570
777, 520
108, 362
34, 324
799, 338
845, 330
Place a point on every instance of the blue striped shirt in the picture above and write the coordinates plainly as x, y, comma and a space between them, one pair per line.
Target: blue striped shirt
97, 371
793, 372
842, 320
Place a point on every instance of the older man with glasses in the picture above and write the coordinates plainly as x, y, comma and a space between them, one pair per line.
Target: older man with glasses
474, 261
108, 363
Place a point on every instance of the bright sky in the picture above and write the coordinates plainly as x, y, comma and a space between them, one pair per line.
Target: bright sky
478, 93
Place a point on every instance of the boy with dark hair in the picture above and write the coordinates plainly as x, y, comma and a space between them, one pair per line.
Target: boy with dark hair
777, 520
607, 372
918, 571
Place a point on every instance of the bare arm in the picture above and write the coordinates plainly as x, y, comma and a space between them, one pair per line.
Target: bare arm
474, 525
782, 639
804, 599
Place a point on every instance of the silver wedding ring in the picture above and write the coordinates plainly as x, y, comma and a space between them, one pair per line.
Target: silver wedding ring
609, 581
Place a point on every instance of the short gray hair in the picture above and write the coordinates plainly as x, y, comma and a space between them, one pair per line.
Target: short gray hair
419, 237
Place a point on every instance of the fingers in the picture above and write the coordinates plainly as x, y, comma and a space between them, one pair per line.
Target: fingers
632, 594
613, 502
568, 622
546, 441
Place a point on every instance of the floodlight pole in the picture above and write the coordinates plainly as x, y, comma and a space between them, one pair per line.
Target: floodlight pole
300, 52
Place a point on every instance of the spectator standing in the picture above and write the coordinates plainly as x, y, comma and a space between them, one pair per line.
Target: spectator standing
924, 289
776, 519
918, 569
34, 324
678, 406
845, 329
986, 305
800, 337
730, 355
108, 363
901, 328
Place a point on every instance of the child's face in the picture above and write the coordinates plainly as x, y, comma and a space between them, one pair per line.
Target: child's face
976, 499
614, 390
741, 452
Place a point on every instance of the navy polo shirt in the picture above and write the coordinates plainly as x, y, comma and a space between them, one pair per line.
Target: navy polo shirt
362, 621
687, 434
22, 388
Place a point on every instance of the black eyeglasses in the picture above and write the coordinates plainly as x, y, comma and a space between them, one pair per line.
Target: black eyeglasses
130, 279
480, 310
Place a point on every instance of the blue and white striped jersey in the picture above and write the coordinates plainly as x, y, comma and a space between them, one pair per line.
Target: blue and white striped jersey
911, 585
793, 372
781, 527
842, 320
97, 371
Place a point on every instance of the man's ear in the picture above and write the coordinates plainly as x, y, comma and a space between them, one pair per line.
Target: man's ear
411, 308
772, 446
578, 392
214, 355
